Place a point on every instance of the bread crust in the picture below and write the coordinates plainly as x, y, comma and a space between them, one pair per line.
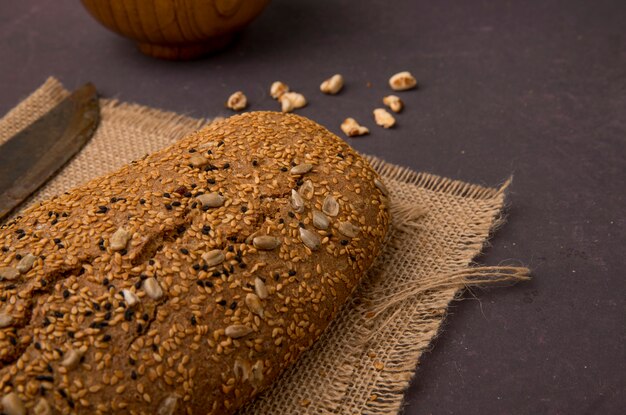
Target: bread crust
185, 282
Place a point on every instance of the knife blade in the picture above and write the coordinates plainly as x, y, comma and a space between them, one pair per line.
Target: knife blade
32, 156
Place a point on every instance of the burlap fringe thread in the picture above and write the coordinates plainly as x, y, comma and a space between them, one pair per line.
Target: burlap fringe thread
363, 362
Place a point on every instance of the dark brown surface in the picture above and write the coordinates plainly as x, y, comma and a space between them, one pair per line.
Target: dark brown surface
536, 89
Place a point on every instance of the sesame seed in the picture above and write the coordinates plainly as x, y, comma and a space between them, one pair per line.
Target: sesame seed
166, 251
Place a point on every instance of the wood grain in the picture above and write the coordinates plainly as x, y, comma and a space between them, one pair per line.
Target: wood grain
176, 29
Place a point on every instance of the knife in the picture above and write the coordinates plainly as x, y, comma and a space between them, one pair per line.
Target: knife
32, 156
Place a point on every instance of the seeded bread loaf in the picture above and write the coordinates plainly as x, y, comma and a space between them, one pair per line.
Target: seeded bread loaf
185, 282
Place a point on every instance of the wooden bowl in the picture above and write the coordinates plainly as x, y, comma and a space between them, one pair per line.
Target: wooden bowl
176, 29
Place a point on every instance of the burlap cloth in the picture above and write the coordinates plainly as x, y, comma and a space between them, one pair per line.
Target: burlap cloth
364, 361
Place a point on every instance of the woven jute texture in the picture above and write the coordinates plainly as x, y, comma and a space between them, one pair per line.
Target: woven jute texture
364, 361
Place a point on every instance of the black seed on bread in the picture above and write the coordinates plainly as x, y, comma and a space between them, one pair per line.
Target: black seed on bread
186, 281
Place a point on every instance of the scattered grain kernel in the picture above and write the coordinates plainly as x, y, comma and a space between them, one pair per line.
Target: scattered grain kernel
332, 85
384, 118
285, 104
291, 101
402, 81
394, 103
352, 128
278, 89
237, 101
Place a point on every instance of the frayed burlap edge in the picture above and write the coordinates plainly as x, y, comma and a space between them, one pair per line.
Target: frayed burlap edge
365, 359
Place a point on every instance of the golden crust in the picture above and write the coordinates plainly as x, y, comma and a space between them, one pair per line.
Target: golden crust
187, 281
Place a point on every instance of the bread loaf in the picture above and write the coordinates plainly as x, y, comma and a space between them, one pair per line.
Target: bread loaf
185, 282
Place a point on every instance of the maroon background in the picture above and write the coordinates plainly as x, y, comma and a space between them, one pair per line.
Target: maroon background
531, 88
